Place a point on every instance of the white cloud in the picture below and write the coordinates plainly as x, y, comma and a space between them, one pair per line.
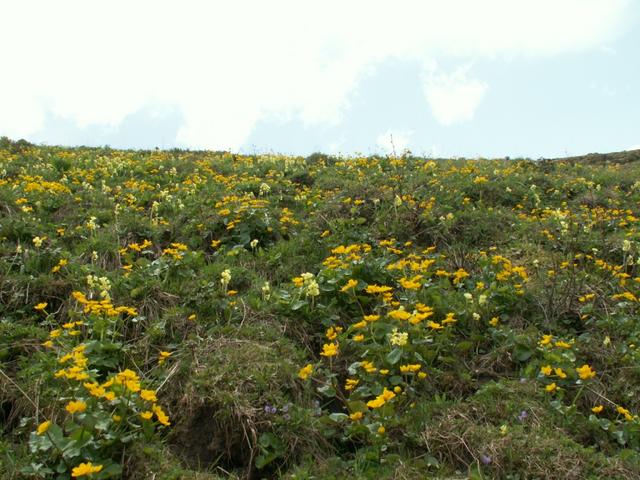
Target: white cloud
394, 141
453, 98
227, 65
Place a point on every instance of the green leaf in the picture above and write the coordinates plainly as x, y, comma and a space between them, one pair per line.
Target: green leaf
522, 353
327, 391
112, 470
394, 356
298, 304
338, 417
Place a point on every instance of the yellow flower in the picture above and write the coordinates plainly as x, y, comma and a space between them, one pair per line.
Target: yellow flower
560, 373
41, 306
371, 318
129, 379
146, 415
625, 295
494, 321
358, 338
305, 372
368, 366
148, 395
586, 372
378, 289
332, 333
381, 399
162, 417
411, 283
399, 314
551, 387
586, 298
375, 403
459, 275
351, 383
47, 344
356, 416
381, 430
95, 389
85, 469
76, 406
37, 241
597, 409
191, 317
450, 318
625, 412
162, 357
410, 368
349, 285
329, 350
546, 340
43, 427
546, 370
398, 338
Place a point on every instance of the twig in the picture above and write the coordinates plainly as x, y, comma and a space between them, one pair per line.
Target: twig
171, 372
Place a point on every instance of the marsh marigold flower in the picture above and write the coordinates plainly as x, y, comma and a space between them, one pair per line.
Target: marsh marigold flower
329, 350
85, 469
356, 416
586, 372
305, 372
349, 285
43, 427
148, 395
351, 383
162, 417
381, 399
162, 357
76, 406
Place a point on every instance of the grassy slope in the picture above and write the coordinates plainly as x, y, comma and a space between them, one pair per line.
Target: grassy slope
231, 384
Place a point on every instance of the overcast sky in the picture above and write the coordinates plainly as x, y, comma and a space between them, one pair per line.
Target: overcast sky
443, 78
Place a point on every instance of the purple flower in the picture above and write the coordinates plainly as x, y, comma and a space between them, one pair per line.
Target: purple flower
270, 409
523, 415
485, 459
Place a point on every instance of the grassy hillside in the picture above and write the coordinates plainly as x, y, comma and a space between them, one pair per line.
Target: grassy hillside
171, 314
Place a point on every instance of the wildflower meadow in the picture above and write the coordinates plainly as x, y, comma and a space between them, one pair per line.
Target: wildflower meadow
202, 315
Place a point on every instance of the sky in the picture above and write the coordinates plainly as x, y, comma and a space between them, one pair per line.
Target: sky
491, 78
